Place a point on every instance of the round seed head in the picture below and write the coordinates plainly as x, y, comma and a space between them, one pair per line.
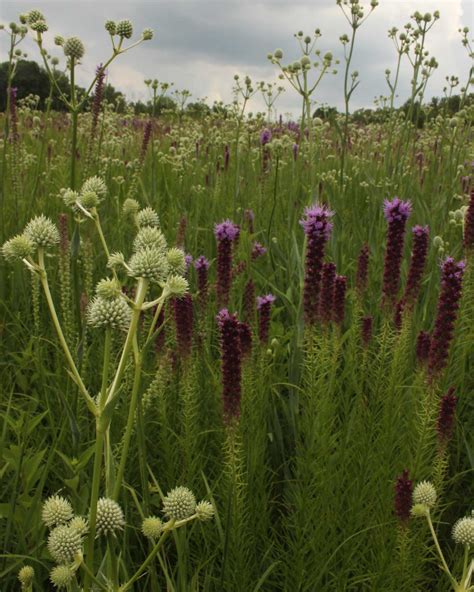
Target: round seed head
33, 16
179, 504
42, 232
80, 524
147, 217
97, 185
147, 34
64, 543
70, 198
204, 511
463, 531
176, 285
18, 247
109, 516
148, 263
419, 510
61, 576
109, 289
89, 200
130, 207
125, 29
26, 575
176, 261
108, 313
59, 40
149, 237
74, 48
56, 510
425, 493
116, 260
110, 27
278, 53
23, 18
39, 26
152, 527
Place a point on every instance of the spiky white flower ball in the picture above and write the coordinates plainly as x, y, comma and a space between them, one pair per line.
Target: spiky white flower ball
70, 198
204, 511
18, 247
148, 263
149, 237
109, 516
61, 576
425, 493
80, 524
463, 531
97, 185
110, 27
112, 313
130, 207
176, 285
74, 48
152, 527
147, 34
176, 261
124, 29
108, 289
179, 504
33, 16
116, 260
147, 217
26, 575
59, 40
42, 232
56, 510
63, 543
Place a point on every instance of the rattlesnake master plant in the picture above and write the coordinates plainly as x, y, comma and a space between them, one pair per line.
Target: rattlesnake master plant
156, 271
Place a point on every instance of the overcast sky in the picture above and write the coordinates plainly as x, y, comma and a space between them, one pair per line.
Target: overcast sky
200, 44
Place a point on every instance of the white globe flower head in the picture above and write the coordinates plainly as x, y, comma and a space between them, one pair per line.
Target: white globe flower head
18, 247
56, 510
124, 29
176, 261
179, 504
149, 237
74, 48
61, 576
152, 527
425, 494
147, 217
149, 263
64, 543
463, 531
42, 232
204, 511
108, 289
108, 313
26, 575
110, 516
96, 185
116, 260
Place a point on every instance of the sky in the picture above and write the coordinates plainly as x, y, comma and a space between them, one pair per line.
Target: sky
201, 44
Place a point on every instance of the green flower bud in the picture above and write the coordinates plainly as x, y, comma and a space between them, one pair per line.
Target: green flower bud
73, 48
147, 217
23, 18
89, 200
109, 516
80, 524
305, 61
149, 237
111, 313
56, 510
70, 198
39, 26
18, 247
116, 260
463, 531
125, 29
59, 40
61, 576
110, 27
419, 510
179, 504
438, 242
152, 527
64, 543
42, 232
109, 289
130, 207
148, 263
204, 511
33, 16
176, 285
54, 61
26, 575
147, 34
176, 261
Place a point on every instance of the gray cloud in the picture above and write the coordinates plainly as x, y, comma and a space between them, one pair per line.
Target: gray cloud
201, 44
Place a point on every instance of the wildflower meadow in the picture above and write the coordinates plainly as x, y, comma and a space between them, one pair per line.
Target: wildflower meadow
236, 349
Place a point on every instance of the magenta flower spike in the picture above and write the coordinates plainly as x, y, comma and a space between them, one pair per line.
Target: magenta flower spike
403, 497
226, 234
231, 361
264, 306
417, 263
396, 213
446, 416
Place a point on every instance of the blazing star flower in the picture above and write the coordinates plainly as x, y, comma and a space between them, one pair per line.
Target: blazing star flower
183, 316
258, 250
469, 225
362, 269
317, 227
264, 305
396, 213
366, 330
423, 342
201, 265
403, 497
226, 233
326, 299
231, 360
417, 263
445, 422
448, 306
265, 137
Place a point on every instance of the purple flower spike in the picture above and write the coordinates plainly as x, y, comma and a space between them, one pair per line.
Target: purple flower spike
445, 422
469, 225
226, 233
188, 259
317, 227
448, 306
231, 360
366, 330
226, 230
265, 137
403, 497
396, 212
183, 315
201, 265
417, 264
326, 300
264, 305
423, 342
258, 250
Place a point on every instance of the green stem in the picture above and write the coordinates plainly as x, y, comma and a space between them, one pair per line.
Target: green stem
440, 552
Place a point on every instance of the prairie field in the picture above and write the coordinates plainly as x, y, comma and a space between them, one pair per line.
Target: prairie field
236, 348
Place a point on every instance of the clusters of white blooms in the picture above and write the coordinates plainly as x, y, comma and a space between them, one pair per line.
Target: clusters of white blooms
110, 516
